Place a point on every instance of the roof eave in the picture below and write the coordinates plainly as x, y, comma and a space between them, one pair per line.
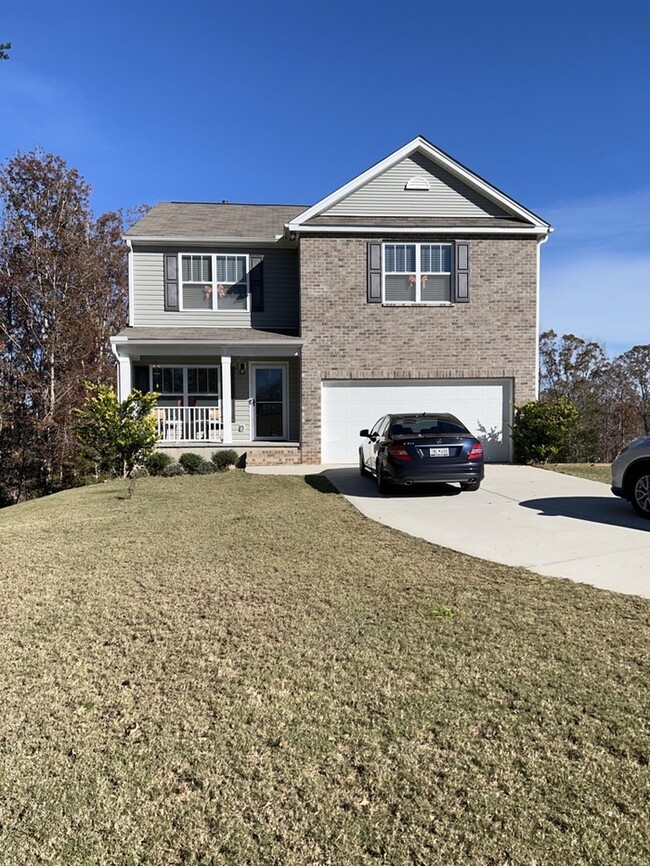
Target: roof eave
531, 231
158, 239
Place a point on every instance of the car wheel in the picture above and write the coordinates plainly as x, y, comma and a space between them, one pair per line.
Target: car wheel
382, 484
640, 488
363, 469
470, 485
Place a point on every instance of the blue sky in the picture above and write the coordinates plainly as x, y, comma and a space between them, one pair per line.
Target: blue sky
283, 103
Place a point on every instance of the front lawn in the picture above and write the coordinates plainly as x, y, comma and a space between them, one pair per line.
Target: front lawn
241, 669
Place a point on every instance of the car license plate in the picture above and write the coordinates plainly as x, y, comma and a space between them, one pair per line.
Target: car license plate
438, 452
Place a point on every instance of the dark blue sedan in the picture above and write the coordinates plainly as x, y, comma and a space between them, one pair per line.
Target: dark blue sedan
425, 448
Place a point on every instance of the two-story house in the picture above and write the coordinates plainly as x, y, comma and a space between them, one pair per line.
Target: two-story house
283, 330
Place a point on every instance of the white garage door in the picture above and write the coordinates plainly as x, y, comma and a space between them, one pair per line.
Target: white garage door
483, 405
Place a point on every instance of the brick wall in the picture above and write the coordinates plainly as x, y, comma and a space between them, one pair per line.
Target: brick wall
256, 455
493, 336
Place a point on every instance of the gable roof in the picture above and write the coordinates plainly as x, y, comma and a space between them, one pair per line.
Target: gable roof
172, 221
472, 203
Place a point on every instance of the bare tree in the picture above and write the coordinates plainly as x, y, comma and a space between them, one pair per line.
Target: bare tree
635, 370
62, 293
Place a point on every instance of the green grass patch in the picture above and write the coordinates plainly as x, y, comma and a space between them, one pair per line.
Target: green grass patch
241, 669
591, 471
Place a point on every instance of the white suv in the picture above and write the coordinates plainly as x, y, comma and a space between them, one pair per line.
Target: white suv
631, 475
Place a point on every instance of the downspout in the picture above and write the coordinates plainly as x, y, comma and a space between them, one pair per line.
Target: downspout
537, 311
130, 279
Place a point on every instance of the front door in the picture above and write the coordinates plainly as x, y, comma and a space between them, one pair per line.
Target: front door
269, 401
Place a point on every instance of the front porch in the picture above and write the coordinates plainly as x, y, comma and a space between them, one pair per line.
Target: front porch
218, 388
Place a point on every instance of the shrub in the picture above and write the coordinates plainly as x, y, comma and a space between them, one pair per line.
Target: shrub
190, 462
206, 468
157, 462
117, 436
542, 430
224, 459
172, 469
139, 471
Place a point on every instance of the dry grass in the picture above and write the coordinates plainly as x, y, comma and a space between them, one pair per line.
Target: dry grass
591, 471
241, 669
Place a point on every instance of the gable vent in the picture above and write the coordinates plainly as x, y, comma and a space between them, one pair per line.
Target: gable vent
417, 183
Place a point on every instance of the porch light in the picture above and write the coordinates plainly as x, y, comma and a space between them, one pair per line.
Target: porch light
242, 368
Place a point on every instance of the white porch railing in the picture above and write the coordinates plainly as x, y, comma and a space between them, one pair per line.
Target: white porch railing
188, 423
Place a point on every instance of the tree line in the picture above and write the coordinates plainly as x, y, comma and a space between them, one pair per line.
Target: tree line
64, 292
590, 405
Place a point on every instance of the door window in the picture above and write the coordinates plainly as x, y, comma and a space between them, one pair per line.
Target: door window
269, 402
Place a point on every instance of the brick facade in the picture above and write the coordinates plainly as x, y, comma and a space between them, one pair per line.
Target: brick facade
256, 455
493, 336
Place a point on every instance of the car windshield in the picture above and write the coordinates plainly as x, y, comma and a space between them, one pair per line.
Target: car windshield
424, 427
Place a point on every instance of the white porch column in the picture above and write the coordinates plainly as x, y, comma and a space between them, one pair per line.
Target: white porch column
123, 377
226, 399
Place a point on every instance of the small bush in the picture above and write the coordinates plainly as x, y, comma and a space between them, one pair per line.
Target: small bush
139, 471
190, 462
542, 430
157, 462
172, 469
224, 459
206, 468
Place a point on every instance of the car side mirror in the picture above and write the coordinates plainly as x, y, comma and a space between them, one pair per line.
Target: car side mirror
365, 432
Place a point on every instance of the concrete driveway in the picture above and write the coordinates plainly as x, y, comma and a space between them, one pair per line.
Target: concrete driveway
553, 524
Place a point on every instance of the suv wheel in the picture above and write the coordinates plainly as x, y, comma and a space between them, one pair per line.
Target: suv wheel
474, 484
640, 488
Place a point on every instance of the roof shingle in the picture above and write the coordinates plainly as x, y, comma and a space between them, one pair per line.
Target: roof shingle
195, 220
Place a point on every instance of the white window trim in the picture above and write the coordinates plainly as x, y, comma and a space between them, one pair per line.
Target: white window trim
186, 393
418, 275
214, 308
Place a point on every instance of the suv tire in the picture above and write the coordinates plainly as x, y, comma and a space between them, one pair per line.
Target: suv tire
640, 491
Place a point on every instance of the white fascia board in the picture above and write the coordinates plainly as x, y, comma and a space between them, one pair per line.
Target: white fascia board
118, 342
180, 241
183, 349
423, 146
356, 182
531, 231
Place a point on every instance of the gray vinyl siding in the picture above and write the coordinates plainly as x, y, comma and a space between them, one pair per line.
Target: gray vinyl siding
386, 196
280, 294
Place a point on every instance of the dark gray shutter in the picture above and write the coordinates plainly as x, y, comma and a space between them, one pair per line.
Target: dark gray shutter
141, 379
374, 273
171, 281
256, 282
461, 293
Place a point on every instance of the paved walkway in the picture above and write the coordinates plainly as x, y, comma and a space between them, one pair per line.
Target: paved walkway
553, 524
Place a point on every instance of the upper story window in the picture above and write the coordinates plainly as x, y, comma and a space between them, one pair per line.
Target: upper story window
417, 273
214, 282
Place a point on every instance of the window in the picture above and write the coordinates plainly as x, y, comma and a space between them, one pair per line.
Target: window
214, 282
417, 273
186, 385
